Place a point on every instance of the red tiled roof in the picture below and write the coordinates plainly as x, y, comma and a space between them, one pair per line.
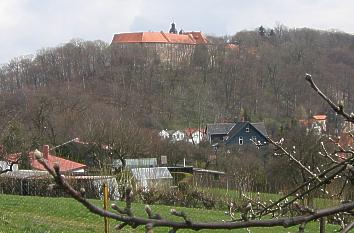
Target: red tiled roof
190, 131
179, 39
198, 37
65, 165
12, 157
320, 117
160, 37
308, 122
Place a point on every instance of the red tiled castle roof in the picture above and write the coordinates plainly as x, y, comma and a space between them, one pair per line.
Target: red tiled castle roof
160, 37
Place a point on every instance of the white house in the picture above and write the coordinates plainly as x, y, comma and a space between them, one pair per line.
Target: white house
178, 136
6, 165
197, 136
164, 134
194, 135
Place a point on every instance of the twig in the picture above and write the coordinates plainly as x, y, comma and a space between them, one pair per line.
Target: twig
291, 157
323, 174
134, 221
337, 108
348, 227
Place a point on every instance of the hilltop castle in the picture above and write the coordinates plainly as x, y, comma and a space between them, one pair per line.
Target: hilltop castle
187, 38
170, 48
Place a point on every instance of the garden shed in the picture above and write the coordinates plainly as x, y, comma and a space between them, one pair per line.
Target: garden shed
136, 163
151, 176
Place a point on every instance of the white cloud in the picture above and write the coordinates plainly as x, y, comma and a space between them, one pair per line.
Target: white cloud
10, 12
28, 25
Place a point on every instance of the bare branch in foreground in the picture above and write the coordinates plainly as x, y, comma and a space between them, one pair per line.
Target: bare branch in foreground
127, 218
249, 218
339, 109
348, 228
292, 158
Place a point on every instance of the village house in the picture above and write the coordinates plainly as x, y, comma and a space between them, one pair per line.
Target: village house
66, 166
36, 180
164, 134
191, 135
178, 136
194, 135
239, 133
317, 123
5, 164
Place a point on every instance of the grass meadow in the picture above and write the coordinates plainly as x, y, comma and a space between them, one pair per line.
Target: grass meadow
28, 214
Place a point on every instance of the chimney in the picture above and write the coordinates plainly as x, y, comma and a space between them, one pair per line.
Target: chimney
45, 152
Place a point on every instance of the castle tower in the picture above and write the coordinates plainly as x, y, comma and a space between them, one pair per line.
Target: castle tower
173, 28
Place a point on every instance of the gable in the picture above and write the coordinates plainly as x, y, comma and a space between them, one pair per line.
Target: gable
247, 132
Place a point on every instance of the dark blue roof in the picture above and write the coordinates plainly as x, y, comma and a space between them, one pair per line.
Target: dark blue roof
238, 126
219, 128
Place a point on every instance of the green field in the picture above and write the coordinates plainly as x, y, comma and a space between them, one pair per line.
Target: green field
319, 203
57, 215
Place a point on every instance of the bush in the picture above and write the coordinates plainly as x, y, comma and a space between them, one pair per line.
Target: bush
181, 196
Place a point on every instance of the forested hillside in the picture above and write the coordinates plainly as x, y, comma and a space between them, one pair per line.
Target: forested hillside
75, 90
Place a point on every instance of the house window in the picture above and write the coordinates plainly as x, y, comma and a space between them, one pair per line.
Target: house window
247, 129
240, 140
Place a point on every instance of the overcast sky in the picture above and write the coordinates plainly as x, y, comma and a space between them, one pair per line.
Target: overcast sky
28, 25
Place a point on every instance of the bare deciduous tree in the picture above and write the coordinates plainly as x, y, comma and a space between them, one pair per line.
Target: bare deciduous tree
286, 211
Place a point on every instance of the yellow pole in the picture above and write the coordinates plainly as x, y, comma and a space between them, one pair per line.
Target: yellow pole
105, 206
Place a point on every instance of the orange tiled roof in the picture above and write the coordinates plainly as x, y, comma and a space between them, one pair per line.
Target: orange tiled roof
65, 165
160, 37
139, 37
179, 39
320, 117
190, 131
12, 157
198, 37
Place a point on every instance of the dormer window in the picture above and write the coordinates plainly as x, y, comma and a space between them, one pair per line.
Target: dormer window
247, 129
